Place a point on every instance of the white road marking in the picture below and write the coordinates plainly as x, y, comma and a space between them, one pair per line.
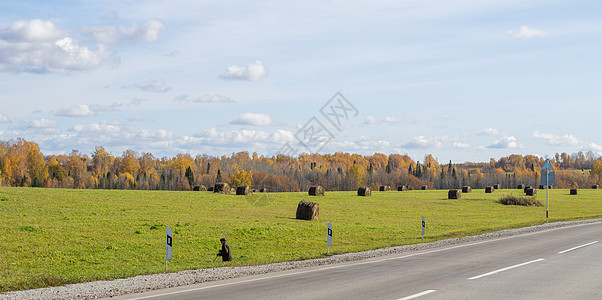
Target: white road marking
417, 295
505, 269
575, 248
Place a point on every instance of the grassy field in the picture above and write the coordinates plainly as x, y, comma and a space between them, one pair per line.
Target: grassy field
55, 236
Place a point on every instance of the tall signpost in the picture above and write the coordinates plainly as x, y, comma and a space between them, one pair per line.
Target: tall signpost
548, 180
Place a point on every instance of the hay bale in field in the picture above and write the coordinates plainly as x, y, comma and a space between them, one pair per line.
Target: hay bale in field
210, 189
316, 191
521, 187
541, 187
307, 210
263, 190
244, 190
454, 194
423, 187
489, 189
595, 186
526, 188
466, 189
200, 188
573, 192
384, 188
402, 188
364, 191
531, 192
497, 186
222, 188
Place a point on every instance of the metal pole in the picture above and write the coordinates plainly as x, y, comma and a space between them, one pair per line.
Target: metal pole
547, 193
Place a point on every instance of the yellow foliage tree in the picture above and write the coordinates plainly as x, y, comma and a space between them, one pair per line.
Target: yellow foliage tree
241, 178
597, 169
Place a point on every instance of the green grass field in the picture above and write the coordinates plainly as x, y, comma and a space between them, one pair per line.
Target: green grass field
55, 236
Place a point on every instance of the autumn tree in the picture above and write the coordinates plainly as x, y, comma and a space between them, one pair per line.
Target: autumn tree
241, 178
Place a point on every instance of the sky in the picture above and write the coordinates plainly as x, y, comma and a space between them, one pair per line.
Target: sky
464, 80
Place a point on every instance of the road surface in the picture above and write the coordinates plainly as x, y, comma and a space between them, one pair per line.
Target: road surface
561, 263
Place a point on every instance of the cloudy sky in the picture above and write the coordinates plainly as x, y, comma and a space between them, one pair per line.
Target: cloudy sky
464, 80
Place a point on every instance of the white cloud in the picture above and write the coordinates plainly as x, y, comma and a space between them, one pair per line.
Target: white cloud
252, 72
392, 120
42, 125
490, 132
506, 142
253, 119
4, 118
204, 99
526, 33
460, 145
76, 111
422, 142
371, 120
551, 139
157, 85
39, 46
595, 147
119, 35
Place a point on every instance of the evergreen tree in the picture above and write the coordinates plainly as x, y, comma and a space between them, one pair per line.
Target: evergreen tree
190, 175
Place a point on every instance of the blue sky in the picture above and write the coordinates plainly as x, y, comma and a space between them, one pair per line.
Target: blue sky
463, 80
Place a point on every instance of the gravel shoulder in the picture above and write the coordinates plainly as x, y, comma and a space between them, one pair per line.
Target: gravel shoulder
143, 283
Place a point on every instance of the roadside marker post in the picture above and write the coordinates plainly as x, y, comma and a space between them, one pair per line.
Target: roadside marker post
328, 236
548, 180
168, 243
423, 227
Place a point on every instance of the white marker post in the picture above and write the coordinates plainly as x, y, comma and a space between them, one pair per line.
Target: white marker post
423, 227
328, 236
549, 180
168, 242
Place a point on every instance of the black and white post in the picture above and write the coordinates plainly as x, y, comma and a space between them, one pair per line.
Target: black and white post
423, 227
168, 243
328, 236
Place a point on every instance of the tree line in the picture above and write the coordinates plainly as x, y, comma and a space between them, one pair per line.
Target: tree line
23, 165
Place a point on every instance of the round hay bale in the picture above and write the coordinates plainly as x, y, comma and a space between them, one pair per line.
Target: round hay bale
423, 187
316, 191
222, 188
210, 189
526, 188
531, 192
402, 188
573, 192
364, 191
520, 187
595, 186
384, 188
489, 189
200, 188
244, 190
263, 190
307, 210
454, 194
466, 189
497, 186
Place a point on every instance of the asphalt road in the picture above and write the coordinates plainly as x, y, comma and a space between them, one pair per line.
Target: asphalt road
562, 263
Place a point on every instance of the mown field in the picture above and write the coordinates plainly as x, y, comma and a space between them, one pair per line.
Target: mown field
56, 236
